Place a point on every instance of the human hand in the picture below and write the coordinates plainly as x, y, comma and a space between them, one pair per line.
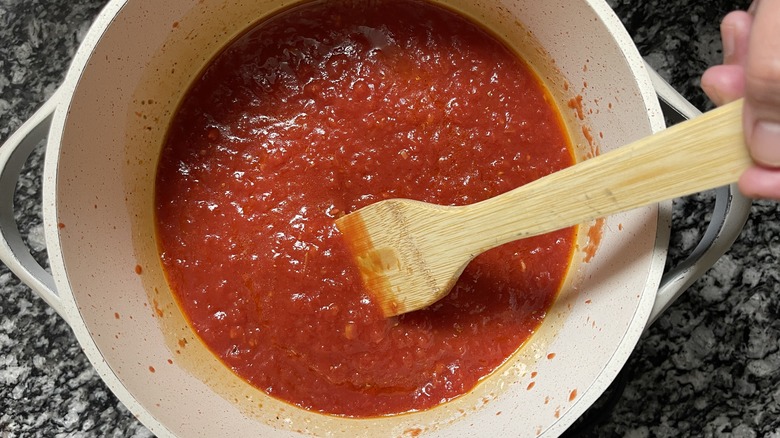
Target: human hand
751, 69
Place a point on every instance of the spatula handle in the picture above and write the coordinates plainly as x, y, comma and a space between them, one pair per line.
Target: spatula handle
700, 154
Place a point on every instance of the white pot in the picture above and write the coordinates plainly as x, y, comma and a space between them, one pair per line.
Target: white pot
101, 156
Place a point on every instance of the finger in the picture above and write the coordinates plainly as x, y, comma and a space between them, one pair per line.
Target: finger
724, 83
760, 182
762, 85
735, 35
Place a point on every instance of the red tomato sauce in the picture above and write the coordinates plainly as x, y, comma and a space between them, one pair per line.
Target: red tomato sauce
314, 113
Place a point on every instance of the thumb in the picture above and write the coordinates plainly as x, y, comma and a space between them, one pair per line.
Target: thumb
762, 85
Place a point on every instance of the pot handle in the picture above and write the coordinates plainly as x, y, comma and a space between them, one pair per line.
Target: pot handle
13, 251
729, 216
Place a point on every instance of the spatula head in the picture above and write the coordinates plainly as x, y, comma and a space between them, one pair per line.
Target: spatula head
400, 253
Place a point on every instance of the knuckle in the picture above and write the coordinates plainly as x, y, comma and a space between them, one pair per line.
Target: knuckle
762, 82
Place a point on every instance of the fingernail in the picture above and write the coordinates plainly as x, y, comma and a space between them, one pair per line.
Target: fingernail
727, 36
753, 7
712, 93
765, 143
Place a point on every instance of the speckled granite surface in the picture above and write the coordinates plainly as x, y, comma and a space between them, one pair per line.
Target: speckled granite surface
709, 367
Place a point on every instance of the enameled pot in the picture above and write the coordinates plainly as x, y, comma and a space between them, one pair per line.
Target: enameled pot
105, 127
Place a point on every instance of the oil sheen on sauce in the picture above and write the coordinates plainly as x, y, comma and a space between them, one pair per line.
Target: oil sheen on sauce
314, 113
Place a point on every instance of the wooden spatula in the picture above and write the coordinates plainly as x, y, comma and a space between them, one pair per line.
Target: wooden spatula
410, 253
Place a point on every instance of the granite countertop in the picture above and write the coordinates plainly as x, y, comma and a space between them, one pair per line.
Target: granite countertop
710, 366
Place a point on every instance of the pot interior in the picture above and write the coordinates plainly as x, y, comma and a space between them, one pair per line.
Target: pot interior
127, 80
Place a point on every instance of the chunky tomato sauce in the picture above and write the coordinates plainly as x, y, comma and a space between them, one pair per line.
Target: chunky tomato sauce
316, 112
